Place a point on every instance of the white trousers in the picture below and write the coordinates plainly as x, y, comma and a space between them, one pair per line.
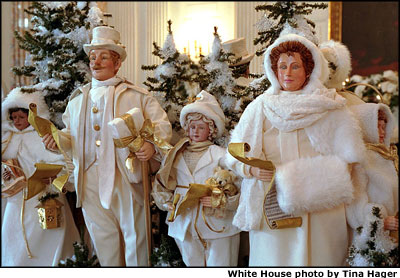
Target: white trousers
219, 252
118, 233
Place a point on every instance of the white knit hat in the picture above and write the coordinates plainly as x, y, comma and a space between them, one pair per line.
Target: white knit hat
105, 37
17, 99
339, 55
238, 48
207, 105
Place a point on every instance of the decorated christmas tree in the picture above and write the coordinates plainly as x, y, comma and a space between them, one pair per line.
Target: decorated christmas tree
56, 60
288, 15
173, 82
373, 245
218, 80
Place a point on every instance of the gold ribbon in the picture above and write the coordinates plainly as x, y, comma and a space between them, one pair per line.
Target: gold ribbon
136, 140
172, 214
23, 229
386, 153
192, 199
43, 127
237, 150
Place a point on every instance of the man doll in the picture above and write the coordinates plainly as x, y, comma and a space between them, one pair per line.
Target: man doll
111, 203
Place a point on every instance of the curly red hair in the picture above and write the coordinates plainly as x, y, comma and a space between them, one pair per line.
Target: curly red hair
291, 47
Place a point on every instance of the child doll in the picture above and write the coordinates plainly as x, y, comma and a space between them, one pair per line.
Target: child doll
21, 142
381, 165
204, 237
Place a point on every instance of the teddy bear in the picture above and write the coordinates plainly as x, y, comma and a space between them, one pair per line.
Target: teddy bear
222, 186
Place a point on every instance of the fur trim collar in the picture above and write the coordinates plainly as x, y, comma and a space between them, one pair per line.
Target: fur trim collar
320, 72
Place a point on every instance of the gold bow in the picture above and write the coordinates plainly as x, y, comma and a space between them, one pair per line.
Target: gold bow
390, 154
219, 193
136, 140
43, 127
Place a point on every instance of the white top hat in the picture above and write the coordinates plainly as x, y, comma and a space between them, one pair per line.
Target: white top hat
238, 47
105, 37
207, 105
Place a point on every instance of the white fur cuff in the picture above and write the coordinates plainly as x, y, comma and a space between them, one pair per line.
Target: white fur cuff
313, 184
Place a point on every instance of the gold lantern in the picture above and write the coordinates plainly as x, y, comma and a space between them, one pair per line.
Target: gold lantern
49, 212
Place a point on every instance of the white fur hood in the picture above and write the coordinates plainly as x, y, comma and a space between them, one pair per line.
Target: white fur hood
367, 115
17, 99
319, 74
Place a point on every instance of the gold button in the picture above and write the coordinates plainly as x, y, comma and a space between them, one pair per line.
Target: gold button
98, 143
95, 110
96, 127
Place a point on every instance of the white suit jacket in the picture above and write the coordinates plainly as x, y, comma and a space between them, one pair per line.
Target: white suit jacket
127, 96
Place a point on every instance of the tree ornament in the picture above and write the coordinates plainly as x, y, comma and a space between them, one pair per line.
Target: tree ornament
49, 211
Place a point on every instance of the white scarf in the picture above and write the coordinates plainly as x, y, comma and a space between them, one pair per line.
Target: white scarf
289, 111
107, 150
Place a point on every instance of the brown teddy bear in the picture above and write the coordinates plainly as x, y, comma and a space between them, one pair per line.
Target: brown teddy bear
222, 186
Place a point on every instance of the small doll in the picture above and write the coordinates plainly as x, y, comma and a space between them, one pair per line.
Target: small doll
203, 232
381, 166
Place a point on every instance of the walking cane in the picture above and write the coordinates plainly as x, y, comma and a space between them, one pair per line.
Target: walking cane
146, 192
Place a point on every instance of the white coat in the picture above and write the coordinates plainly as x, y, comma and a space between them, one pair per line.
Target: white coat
379, 174
48, 247
312, 177
185, 222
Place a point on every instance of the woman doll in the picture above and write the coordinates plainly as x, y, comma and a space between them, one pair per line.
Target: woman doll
193, 160
20, 141
306, 131
381, 165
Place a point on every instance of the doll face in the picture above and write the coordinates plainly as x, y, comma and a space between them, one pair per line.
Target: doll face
381, 130
198, 131
291, 72
20, 119
102, 65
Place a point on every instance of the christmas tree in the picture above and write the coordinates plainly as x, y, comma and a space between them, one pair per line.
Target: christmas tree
372, 245
174, 79
218, 80
56, 59
81, 257
282, 15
